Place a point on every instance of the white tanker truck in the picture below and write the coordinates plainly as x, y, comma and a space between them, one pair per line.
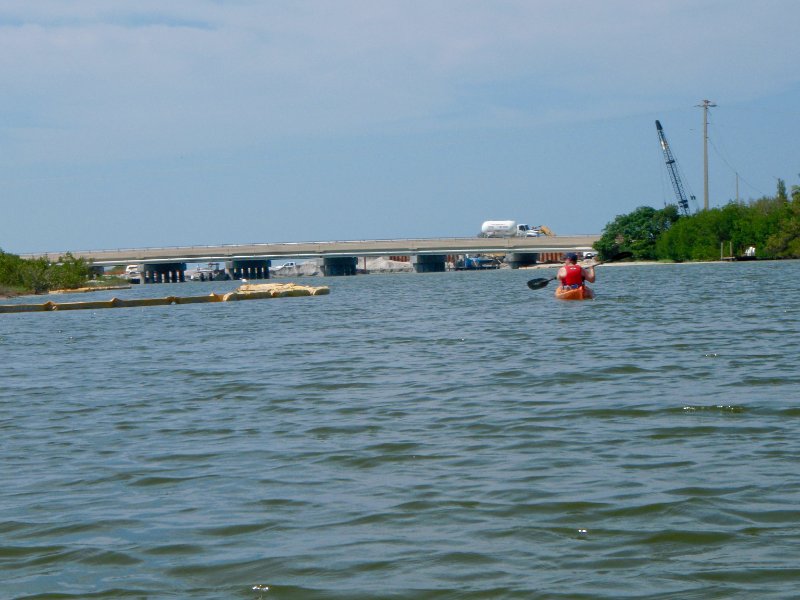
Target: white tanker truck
508, 229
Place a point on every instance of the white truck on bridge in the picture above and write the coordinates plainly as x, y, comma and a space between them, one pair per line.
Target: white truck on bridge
508, 229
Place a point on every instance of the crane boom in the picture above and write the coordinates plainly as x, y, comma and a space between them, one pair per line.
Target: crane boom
672, 167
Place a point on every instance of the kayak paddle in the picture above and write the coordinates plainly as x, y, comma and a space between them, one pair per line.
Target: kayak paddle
540, 282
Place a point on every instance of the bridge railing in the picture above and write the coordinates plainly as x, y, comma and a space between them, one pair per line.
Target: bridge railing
310, 249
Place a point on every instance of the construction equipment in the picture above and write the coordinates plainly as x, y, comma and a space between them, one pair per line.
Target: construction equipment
675, 177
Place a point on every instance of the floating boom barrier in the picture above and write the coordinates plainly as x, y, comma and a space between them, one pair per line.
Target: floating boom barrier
248, 291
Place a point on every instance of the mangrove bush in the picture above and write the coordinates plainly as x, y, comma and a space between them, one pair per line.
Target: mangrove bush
39, 275
770, 224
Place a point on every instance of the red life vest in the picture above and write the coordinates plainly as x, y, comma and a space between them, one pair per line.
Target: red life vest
574, 275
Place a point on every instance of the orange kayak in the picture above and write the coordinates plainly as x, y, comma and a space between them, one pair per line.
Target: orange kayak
578, 293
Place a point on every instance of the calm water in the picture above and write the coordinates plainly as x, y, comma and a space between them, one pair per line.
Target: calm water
449, 435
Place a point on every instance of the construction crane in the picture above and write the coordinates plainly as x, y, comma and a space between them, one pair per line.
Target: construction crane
672, 167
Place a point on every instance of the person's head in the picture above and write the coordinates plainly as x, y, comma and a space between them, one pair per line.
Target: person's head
571, 257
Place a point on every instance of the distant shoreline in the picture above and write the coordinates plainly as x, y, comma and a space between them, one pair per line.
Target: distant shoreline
648, 263
633, 263
99, 288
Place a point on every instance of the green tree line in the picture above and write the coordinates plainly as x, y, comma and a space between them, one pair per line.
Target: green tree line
39, 275
770, 224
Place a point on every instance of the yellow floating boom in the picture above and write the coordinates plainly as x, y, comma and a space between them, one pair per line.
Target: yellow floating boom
244, 292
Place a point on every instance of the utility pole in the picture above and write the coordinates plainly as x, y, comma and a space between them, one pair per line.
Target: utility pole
705, 106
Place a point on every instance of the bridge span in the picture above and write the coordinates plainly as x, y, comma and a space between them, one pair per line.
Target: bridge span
339, 257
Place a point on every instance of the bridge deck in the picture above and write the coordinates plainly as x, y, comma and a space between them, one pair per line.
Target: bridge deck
334, 249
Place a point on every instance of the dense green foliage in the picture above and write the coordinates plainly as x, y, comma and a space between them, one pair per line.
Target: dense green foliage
39, 275
770, 224
637, 232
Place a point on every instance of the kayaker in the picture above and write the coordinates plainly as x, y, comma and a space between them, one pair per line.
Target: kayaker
572, 275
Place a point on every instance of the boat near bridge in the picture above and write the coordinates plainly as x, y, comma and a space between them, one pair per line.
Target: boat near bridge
210, 272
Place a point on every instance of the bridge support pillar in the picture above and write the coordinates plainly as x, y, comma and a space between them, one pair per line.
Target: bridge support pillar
250, 268
163, 273
429, 263
339, 265
521, 259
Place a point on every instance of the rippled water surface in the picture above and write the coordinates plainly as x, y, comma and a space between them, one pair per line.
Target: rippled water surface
450, 435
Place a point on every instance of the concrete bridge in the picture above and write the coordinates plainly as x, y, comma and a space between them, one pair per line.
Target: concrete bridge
339, 257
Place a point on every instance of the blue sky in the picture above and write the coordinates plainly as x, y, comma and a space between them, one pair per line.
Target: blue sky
192, 122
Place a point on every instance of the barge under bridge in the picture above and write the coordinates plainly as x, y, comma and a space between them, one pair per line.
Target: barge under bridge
252, 261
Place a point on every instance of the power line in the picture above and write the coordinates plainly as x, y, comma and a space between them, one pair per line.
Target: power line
733, 169
725, 157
